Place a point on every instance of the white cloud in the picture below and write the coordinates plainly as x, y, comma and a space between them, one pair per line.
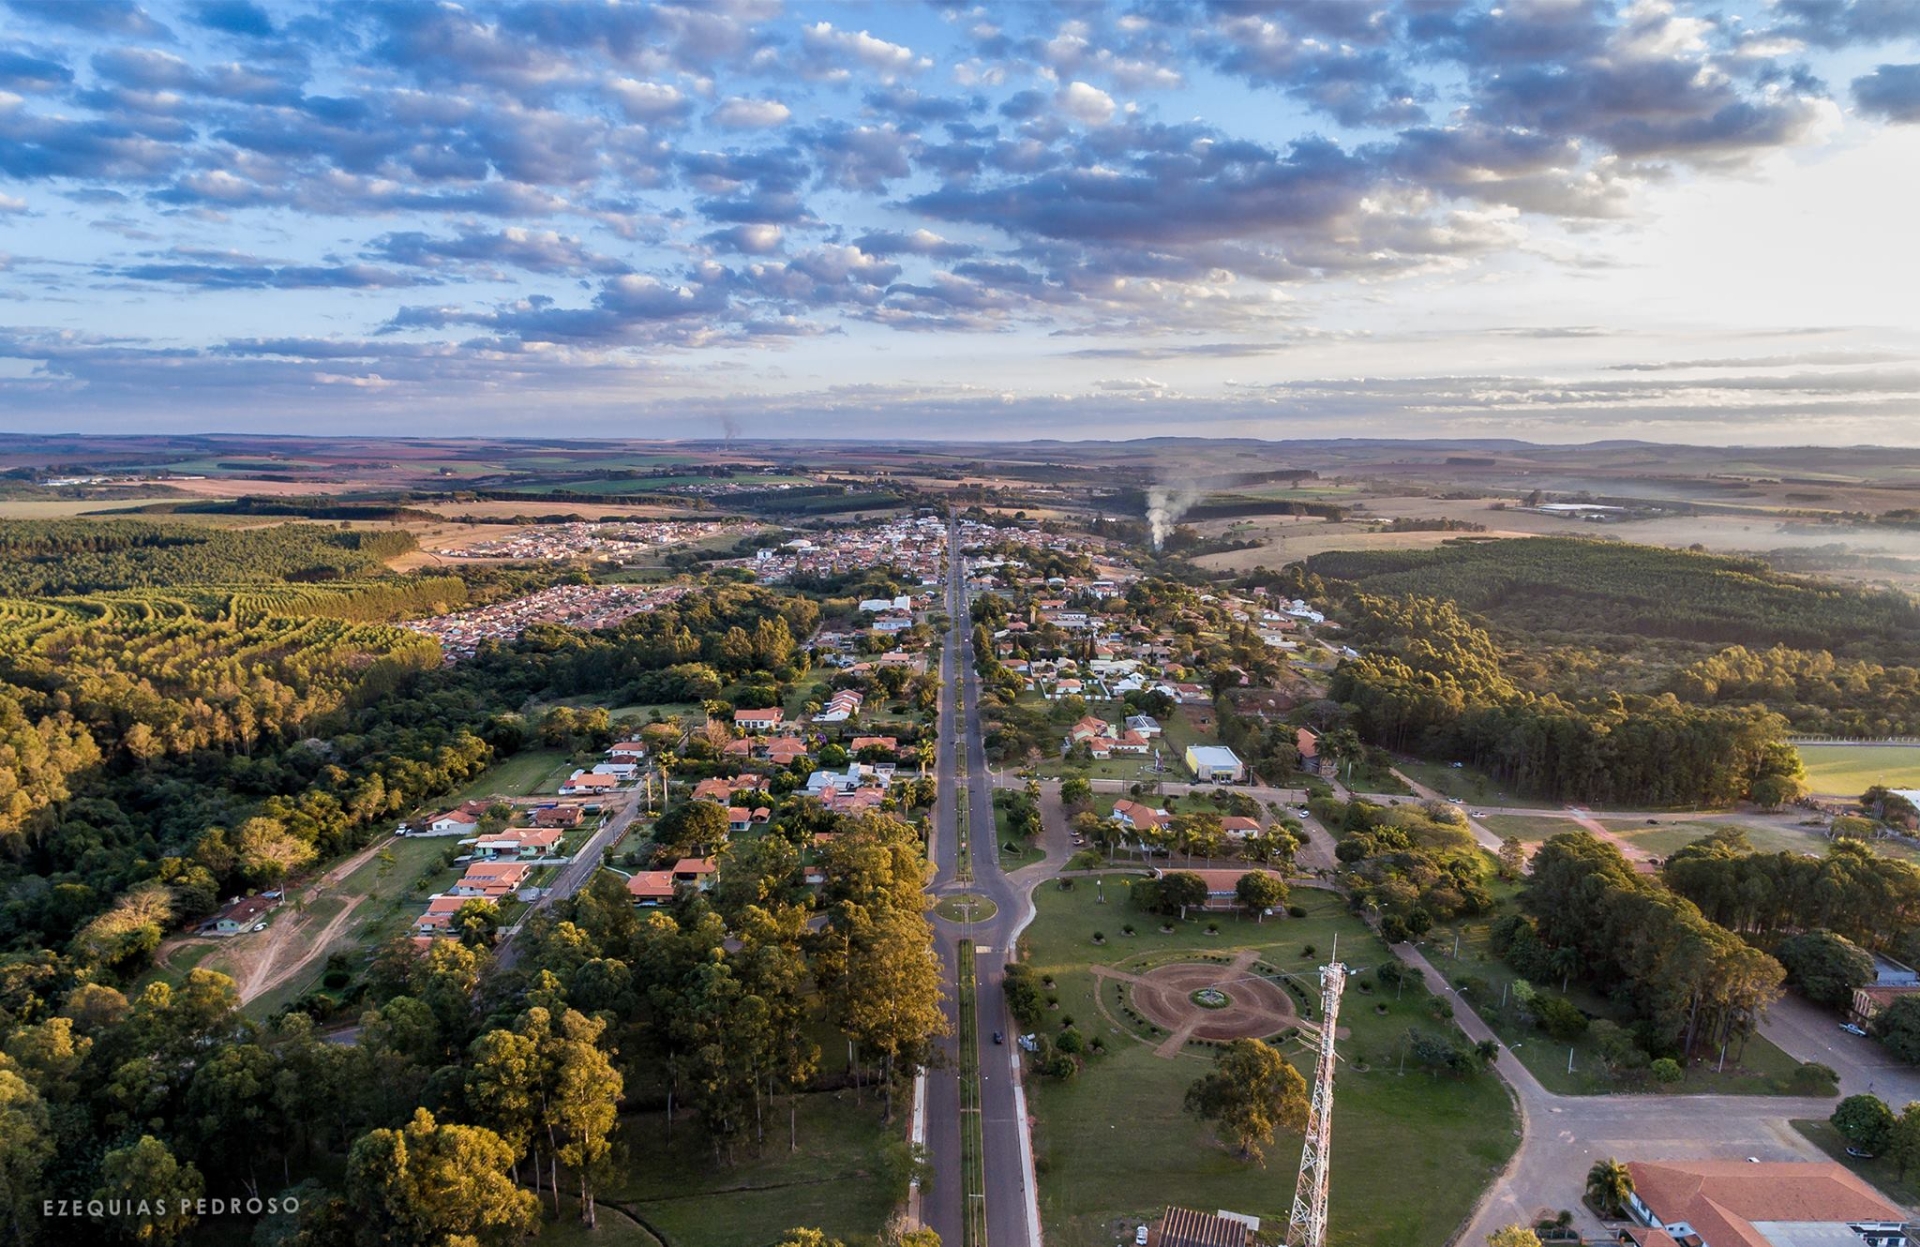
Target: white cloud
740, 113
648, 101
1085, 103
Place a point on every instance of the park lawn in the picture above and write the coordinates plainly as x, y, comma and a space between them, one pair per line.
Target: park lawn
836, 1182
391, 881
1759, 1068
1849, 770
1880, 1171
1114, 1144
1527, 828
1023, 853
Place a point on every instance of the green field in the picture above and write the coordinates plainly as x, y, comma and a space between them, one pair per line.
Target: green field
1113, 1146
844, 1179
1527, 828
1470, 785
1670, 837
1849, 770
1880, 1171
525, 774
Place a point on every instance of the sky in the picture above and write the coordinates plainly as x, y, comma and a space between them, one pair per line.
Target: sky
1556, 220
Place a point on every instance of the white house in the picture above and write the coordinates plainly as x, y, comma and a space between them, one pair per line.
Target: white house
1215, 764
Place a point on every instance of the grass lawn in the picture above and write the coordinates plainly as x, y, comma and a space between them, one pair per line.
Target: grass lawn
1470, 785
1759, 1069
839, 1181
1670, 837
1114, 1145
1527, 828
1849, 770
1882, 1173
523, 775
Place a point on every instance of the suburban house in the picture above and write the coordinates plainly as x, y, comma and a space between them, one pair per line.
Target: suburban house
627, 751
696, 871
785, 750
857, 775
517, 842
438, 919
493, 880
1145, 724
1089, 727
757, 720
586, 783
619, 770
242, 915
1737, 1203
453, 821
1239, 826
1137, 817
1183, 1227
651, 887
1130, 742
739, 818
842, 706
1215, 764
561, 816
889, 743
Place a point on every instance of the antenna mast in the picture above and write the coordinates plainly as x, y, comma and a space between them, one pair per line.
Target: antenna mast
1307, 1225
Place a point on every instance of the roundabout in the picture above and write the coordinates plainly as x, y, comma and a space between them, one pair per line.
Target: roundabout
965, 907
1209, 1000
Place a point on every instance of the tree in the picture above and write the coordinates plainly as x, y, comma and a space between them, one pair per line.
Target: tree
26, 1145
1865, 1121
800, 1236
503, 1089
1513, 858
1257, 891
476, 921
1897, 1027
1608, 1187
1824, 966
691, 826
1903, 1142
1513, 1236
146, 1175
584, 1102
1075, 791
1251, 1090
426, 1185
1180, 890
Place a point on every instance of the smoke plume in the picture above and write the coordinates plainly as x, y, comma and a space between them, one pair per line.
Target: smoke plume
1165, 504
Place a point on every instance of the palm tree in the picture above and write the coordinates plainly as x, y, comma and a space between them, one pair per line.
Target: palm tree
1609, 1186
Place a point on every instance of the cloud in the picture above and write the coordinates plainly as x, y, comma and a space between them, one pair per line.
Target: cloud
1087, 104
118, 17
830, 53
233, 17
20, 71
1891, 92
922, 242
650, 101
487, 251
238, 272
739, 113
748, 239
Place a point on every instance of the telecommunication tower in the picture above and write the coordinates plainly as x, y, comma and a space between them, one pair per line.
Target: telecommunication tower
1307, 1225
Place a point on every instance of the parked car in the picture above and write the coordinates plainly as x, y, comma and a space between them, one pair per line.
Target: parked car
998, 1037
1853, 1029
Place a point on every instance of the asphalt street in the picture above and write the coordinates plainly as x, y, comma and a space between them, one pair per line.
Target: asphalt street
1011, 1220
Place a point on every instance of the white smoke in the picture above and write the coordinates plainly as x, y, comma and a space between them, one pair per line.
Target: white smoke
1165, 504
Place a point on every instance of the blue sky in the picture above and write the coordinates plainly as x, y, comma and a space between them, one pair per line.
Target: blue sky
1556, 220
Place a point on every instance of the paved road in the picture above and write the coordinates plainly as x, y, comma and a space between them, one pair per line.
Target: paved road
574, 875
1011, 1217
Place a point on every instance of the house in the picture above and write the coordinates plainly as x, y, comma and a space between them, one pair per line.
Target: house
857, 775
739, 818
651, 887
493, 880
627, 751
1183, 1227
1089, 727
1223, 885
1130, 742
586, 783
891, 744
1136, 817
719, 788
453, 821
1215, 764
696, 871
438, 919
785, 750
893, 621
1145, 724
619, 770
1239, 826
562, 816
243, 915
757, 720
1100, 747
1307, 741
842, 706
517, 842
1868, 1001
1736, 1203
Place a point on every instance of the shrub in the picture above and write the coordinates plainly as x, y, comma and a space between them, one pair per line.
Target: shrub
1666, 1070
1296, 911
